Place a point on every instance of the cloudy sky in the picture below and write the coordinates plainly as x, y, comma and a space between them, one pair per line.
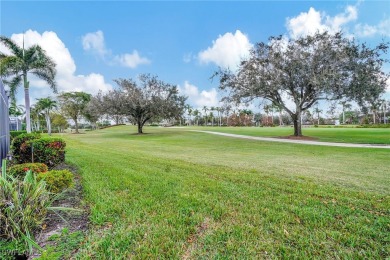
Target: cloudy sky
94, 42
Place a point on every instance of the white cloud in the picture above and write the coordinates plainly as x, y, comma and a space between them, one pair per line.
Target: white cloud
67, 79
199, 99
227, 51
94, 42
335, 23
131, 60
381, 29
187, 58
308, 23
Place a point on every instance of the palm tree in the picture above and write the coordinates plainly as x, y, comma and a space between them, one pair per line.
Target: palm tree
211, 116
219, 113
345, 106
205, 109
15, 110
267, 109
317, 111
196, 114
227, 110
32, 60
46, 105
278, 109
189, 113
384, 107
36, 116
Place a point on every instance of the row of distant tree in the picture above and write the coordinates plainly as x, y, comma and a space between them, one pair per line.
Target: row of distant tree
272, 114
138, 102
303, 71
100, 110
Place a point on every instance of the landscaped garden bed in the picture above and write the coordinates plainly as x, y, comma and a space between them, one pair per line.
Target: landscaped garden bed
41, 209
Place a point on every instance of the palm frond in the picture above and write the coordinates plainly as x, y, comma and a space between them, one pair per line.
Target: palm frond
10, 65
13, 85
2, 55
48, 77
12, 46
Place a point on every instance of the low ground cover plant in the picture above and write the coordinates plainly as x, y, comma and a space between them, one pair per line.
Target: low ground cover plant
23, 207
57, 180
27, 191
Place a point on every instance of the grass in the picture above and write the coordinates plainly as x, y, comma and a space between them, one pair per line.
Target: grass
331, 134
177, 194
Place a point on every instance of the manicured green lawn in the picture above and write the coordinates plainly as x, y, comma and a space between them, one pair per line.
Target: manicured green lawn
342, 135
177, 194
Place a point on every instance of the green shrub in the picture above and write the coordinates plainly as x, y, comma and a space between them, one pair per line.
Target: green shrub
374, 126
14, 134
50, 151
21, 153
57, 180
19, 170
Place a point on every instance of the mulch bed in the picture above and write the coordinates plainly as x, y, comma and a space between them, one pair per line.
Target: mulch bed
72, 220
293, 137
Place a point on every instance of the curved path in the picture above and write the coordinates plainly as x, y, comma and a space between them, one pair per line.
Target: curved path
280, 140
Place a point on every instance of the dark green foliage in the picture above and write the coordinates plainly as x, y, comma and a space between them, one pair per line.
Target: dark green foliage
57, 181
374, 126
19, 147
17, 133
20, 170
9, 249
50, 151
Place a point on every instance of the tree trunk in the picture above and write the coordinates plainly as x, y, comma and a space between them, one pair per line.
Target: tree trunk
76, 126
343, 117
373, 116
297, 124
38, 124
139, 124
48, 123
280, 119
27, 103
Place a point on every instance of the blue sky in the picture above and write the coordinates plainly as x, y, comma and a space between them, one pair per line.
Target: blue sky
94, 42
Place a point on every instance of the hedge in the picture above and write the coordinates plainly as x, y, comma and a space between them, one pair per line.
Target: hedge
14, 134
50, 151
19, 143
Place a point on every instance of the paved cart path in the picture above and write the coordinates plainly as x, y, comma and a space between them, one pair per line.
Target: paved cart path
281, 140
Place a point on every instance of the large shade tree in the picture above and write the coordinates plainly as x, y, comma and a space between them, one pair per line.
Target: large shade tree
15, 68
149, 99
73, 105
306, 70
109, 104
